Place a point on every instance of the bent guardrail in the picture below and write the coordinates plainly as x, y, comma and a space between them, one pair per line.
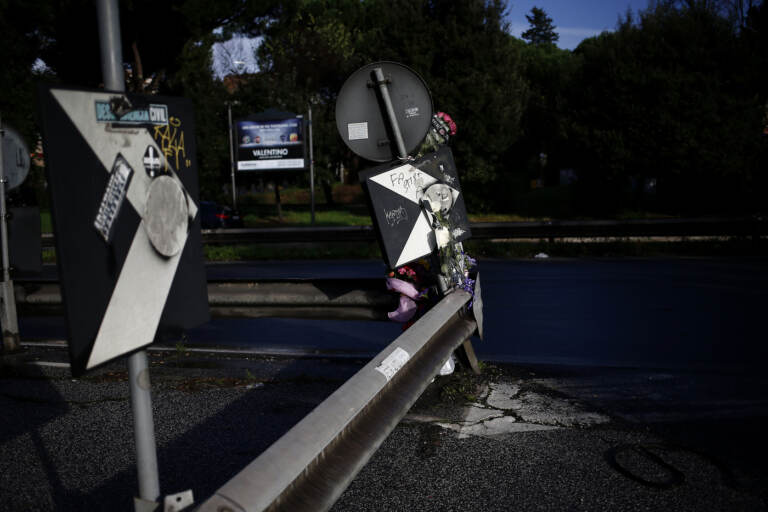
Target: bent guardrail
353, 299
311, 465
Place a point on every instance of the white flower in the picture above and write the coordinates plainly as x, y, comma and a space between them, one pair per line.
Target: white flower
435, 205
443, 237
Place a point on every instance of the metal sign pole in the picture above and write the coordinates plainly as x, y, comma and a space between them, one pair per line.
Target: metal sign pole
232, 156
311, 167
138, 371
382, 83
9, 320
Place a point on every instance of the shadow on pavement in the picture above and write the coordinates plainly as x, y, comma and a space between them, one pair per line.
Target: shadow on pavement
29, 401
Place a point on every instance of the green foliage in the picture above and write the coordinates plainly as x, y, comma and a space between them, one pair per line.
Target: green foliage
674, 96
666, 97
208, 97
461, 49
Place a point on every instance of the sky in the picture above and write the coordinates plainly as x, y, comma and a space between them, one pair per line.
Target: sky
574, 20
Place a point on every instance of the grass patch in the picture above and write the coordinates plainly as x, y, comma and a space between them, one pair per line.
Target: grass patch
341, 194
49, 255
46, 224
301, 217
256, 252
641, 215
504, 217
633, 249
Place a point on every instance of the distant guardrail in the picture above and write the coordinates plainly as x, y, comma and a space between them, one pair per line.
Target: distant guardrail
339, 299
555, 229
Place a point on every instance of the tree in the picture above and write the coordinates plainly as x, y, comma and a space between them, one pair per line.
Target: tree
669, 97
542, 31
462, 49
549, 72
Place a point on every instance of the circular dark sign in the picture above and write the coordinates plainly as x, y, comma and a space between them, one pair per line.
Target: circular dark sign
361, 115
15, 164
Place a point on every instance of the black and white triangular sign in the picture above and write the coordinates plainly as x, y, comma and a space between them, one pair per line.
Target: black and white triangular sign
404, 228
396, 194
121, 233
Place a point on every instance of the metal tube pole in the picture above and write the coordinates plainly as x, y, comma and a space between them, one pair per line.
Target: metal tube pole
311, 168
111, 47
138, 371
3, 226
382, 83
144, 427
232, 155
10, 325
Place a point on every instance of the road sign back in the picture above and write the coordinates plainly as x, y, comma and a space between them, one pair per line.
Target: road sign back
15, 164
359, 117
127, 264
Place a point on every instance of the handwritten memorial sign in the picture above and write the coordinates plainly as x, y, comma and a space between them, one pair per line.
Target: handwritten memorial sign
396, 194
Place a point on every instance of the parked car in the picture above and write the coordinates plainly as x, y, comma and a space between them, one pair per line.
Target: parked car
214, 216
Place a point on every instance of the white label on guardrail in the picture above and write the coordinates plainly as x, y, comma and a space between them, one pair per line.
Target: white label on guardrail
393, 362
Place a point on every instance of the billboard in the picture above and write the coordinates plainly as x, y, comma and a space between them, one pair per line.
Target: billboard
270, 144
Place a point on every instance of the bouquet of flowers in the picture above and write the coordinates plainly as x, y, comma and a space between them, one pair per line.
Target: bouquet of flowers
440, 131
415, 284
457, 268
421, 283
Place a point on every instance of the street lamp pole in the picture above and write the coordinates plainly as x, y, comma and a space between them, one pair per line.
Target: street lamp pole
240, 66
232, 156
311, 169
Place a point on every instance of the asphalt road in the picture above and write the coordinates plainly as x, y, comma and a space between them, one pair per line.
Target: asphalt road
652, 313
518, 438
680, 427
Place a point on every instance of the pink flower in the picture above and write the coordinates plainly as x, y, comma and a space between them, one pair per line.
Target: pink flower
450, 122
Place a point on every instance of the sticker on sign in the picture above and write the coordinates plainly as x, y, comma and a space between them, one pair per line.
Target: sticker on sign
357, 131
152, 161
113, 197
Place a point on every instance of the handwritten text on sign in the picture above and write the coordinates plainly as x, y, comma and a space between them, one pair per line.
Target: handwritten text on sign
405, 180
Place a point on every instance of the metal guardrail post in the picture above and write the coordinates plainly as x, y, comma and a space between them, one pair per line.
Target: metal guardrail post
755, 227
351, 299
311, 465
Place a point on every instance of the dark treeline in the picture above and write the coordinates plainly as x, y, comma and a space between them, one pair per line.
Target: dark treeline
667, 113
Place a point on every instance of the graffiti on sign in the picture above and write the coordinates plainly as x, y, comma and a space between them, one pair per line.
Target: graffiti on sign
170, 138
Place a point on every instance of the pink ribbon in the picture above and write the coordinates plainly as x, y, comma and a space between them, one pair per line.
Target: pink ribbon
404, 311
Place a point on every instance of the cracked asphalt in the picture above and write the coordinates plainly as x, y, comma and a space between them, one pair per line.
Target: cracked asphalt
514, 438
